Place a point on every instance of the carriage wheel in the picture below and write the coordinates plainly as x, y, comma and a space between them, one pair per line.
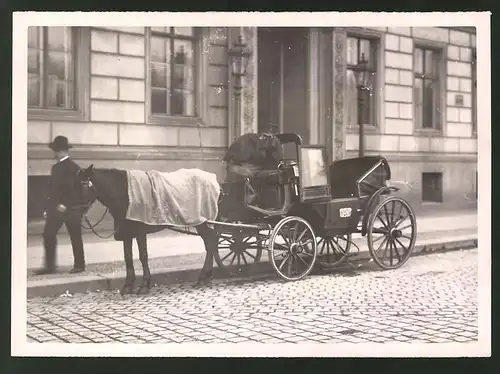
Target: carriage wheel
237, 250
392, 231
333, 250
292, 248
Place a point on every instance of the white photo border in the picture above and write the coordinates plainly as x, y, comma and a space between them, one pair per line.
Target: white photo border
21, 20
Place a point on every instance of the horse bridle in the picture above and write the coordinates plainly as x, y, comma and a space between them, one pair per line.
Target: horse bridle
86, 208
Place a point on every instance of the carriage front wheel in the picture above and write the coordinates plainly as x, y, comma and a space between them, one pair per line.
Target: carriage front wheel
392, 230
292, 248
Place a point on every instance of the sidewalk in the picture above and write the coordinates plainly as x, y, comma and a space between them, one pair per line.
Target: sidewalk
35, 228
168, 243
178, 258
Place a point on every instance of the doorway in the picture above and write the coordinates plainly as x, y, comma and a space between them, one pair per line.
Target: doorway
282, 79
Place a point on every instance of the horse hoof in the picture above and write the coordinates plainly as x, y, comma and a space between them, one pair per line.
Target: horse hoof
143, 290
204, 281
126, 290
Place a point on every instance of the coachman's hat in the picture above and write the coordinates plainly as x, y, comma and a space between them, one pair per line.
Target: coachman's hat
60, 143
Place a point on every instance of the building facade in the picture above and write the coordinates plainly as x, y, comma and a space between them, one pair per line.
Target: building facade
162, 98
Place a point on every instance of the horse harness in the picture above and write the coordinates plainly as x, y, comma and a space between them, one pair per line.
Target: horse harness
86, 208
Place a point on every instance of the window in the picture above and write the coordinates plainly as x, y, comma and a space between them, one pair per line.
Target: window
51, 67
58, 73
427, 88
474, 91
432, 187
172, 62
357, 47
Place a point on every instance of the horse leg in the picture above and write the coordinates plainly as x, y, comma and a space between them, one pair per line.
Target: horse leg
129, 264
210, 240
142, 243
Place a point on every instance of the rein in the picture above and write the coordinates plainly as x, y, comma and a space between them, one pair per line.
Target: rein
90, 225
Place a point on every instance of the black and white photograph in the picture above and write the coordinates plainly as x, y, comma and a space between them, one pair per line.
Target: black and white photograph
251, 184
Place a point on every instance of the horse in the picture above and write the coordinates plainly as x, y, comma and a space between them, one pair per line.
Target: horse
110, 188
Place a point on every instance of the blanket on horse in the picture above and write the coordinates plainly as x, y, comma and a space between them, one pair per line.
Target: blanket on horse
183, 198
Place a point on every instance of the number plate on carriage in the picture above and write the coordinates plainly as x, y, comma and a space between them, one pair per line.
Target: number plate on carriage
345, 212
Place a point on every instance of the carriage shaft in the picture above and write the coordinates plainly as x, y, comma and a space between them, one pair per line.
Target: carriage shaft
236, 225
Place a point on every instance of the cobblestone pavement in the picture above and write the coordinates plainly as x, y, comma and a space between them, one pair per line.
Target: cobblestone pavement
432, 298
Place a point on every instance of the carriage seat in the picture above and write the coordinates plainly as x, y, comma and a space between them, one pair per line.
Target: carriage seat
264, 188
263, 177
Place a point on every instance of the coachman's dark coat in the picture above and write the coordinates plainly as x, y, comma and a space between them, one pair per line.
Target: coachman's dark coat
62, 189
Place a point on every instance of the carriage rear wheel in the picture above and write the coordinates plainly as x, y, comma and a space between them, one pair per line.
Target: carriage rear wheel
292, 248
392, 231
237, 251
333, 250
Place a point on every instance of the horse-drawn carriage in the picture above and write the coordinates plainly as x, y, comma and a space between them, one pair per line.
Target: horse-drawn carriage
303, 212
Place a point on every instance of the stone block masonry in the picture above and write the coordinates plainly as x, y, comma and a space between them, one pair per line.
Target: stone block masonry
118, 105
451, 149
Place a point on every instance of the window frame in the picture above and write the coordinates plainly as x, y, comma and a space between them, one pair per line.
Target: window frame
200, 80
474, 90
439, 48
437, 177
81, 37
377, 50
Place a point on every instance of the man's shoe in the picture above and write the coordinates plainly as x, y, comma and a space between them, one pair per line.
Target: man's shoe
77, 270
45, 271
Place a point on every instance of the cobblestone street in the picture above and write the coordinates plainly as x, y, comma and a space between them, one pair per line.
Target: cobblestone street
432, 298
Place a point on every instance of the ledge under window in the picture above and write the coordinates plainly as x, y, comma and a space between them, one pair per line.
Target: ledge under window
368, 129
428, 132
175, 121
35, 114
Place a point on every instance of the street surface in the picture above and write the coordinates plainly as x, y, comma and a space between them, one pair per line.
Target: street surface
432, 298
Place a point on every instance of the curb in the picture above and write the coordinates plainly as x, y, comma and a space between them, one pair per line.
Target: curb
189, 273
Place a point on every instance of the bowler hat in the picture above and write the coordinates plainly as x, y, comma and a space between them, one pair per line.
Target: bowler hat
60, 143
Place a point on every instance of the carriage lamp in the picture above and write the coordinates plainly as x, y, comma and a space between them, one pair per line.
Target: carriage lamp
239, 55
362, 75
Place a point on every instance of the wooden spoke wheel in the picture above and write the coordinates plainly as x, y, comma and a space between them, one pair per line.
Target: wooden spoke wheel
292, 248
333, 250
392, 231
237, 252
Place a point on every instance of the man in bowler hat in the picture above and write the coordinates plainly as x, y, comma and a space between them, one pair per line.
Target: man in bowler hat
62, 207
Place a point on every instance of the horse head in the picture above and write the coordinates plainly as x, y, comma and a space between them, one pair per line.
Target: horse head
88, 191
108, 186
85, 174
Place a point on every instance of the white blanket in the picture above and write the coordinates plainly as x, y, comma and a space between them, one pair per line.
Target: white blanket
183, 198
